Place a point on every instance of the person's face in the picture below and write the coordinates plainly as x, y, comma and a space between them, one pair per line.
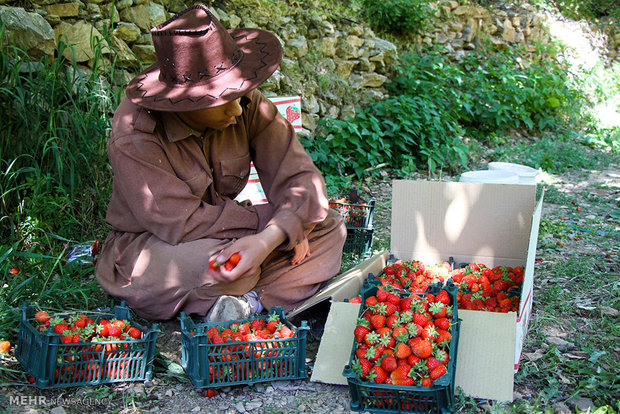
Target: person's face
217, 117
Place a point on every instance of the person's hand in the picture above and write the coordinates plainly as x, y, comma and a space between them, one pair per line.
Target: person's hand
253, 250
300, 252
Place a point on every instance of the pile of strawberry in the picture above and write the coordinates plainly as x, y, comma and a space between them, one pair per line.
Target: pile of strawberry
258, 329
403, 339
236, 344
495, 289
413, 275
86, 338
81, 328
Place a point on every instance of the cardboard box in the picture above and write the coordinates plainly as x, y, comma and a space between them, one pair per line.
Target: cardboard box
492, 224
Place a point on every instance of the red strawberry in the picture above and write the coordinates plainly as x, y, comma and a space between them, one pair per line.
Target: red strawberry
402, 351
401, 375
360, 332
361, 367
443, 337
381, 295
370, 301
272, 323
405, 303
426, 382
437, 372
422, 348
443, 297
285, 332
258, 324
389, 363
432, 363
377, 374
420, 319
442, 323
377, 321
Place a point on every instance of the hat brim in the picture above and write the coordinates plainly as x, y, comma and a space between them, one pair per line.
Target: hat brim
262, 53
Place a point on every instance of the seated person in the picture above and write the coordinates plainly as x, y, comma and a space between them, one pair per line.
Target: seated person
180, 149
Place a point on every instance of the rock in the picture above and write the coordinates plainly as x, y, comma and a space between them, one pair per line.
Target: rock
144, 16
78, 37
580, 404
124, 53
128, 32
144, 53
28, 30
298, 47
64, 9
373, 80
561, 408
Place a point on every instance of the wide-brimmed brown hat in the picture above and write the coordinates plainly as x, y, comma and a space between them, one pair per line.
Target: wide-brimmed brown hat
200, 64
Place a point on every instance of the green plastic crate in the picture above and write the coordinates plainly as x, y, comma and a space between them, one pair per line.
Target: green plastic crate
386, 398
355, 215
358, 241
53, 364
241, 362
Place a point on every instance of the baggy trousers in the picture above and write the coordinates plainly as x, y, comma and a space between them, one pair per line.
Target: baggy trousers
158, 280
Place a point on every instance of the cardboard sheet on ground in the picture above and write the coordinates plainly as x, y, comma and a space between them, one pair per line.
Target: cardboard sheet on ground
345, 285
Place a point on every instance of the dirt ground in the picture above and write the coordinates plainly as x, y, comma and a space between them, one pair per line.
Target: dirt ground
170, 391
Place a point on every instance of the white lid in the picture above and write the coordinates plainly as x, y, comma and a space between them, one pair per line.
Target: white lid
522, 170
490, 176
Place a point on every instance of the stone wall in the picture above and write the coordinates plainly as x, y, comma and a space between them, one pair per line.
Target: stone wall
334, 63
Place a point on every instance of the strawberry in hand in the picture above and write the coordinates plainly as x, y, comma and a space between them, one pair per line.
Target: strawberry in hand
228, 264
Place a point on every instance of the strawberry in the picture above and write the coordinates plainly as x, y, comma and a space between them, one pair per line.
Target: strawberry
285, 332
437, 372
442, 323
443, 337
377, 374
134, 333
402, 375
257, 324
370, 301
402, 351
421, 319
426, 382
361, 330
432, 363
272, 323
405, 303
422, 348
388, 363
361, 367
377, 321
392, 321
443, 297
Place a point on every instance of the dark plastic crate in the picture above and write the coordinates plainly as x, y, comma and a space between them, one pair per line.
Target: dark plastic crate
359, 241
355, 215
53, 364
241, 362
386, 398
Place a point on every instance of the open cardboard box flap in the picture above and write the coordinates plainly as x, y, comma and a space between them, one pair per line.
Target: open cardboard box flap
492, 224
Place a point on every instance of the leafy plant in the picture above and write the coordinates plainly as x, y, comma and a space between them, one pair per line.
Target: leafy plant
397, 16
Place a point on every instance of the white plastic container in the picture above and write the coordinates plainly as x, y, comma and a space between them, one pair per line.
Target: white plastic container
527, 175
490, 177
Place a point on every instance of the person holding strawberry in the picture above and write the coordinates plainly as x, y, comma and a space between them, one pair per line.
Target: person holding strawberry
180, 149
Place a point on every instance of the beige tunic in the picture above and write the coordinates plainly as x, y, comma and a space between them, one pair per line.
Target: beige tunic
172, 208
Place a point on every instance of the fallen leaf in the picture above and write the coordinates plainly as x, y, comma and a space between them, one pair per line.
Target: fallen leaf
533, 356
606, 310
575, 355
